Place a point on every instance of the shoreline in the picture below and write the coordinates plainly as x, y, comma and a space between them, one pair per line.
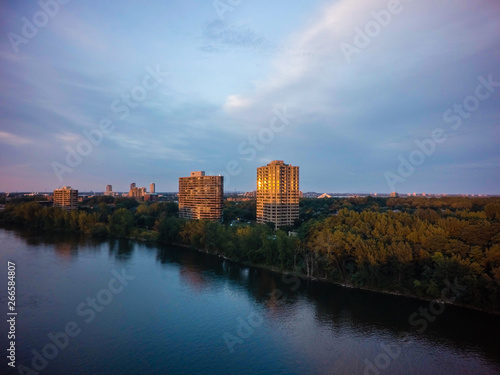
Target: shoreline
275, 270
332, 282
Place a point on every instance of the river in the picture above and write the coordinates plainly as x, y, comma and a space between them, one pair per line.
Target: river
122, 307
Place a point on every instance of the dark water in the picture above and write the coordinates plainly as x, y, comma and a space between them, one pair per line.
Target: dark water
174, 310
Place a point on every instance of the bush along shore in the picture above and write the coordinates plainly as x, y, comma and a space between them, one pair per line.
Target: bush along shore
415, 247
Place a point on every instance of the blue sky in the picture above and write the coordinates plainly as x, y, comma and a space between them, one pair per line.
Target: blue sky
295, 77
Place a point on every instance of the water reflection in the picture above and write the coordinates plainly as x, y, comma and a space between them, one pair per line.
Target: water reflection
66, 245
343, 311
66, 251
192, 277
121, 249
342, 320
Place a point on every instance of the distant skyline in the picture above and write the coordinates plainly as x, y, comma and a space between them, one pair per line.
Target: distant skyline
359, 94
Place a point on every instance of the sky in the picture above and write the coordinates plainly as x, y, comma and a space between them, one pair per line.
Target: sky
364, 96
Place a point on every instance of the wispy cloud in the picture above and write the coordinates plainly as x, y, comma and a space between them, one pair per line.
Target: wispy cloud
67, 137
77, 32
352, 119
220, 36
14, 140
322, 80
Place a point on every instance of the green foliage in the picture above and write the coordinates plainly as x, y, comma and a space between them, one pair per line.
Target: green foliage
169, 228
127, 203
244, 210
121, 222
106, 199
492, 211
413, 245
410, 245
99, 230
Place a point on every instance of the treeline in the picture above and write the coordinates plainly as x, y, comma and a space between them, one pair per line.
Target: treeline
243, 210
124, 217
408, 245
411, 253
320, 208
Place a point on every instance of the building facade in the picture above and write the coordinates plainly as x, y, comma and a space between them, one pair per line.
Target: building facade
109, 190
152, 188
66, 198
137, 193
278, 194
200, 196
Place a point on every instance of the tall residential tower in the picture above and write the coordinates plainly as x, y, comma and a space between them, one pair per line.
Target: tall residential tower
278, 194
66, 198
200, 196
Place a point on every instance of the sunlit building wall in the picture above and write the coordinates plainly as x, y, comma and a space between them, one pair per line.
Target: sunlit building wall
66, 198
200, 196
278, 194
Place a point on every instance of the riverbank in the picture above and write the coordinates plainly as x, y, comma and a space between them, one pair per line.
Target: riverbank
336, 283
150, 236
193, 312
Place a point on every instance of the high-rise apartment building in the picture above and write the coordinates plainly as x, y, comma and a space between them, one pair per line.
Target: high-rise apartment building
66, 198
200, 196
278, 194
137, 193
152, 188
109, 190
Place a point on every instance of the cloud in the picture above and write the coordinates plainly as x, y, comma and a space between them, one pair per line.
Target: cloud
10, 57
78, 32
397, 80
68, 137
218, 36
323, 75
395, 90
491, 163
235, 102
352, 119
14, 140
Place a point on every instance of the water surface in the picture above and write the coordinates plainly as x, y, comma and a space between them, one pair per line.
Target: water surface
186, 312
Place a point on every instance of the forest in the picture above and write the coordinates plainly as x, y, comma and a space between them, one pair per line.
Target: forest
413, 246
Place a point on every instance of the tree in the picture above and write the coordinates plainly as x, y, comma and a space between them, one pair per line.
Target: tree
121, 222
333, 247
492, 211
169, 228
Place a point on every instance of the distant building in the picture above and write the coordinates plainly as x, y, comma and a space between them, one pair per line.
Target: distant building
278, 194
132, 185
109, 190
200, 196
152, 188
151, 197
309, 194
324, 196
251, 194
239, 199
137, 193
394, 194
66, 198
